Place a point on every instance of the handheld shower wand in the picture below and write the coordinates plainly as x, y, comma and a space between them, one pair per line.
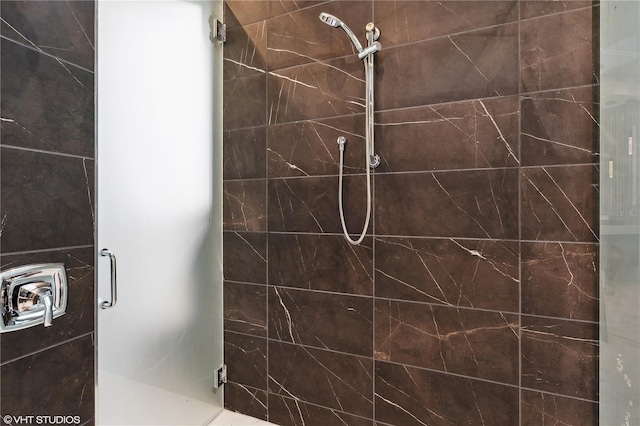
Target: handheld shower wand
335, 22
373, 47
371, 159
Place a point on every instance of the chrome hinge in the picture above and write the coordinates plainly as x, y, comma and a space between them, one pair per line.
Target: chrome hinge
217, 30
220, 376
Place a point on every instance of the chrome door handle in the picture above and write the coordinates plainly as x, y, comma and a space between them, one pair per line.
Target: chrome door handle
114, 280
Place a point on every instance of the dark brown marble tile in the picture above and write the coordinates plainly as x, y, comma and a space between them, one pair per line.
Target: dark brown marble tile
244, 102
246, 359
327, 321
308, 148
560, 203
460, 56
245, 257
77, 320
534, 8
244, 205
402, 22
560, 280
472, 343
46, 201
62, 29
46, 104
243, 12
409, 396
321, 262
317, 90
245, 51
246, 400
300, 37
477, 274
311, 204
560, 127
552, 57
290, 412
471, 65
332, 380
57, 380
471, 204
475, 134
245, 308
244, 153
541, 408
560, 356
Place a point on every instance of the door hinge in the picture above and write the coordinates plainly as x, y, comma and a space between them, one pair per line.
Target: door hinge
217, 30
220, 376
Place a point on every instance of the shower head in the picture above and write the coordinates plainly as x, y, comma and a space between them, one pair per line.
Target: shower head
330, 20
335, 22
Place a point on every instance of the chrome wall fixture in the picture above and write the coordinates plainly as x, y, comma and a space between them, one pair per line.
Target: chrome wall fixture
371, 159
32, 295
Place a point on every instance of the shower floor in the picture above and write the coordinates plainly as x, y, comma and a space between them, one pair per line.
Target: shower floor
135, 400
168, 406
229, 418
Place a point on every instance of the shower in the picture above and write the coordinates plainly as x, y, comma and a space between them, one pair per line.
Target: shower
371, 159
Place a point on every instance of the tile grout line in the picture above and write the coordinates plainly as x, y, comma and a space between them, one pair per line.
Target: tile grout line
383, 237
55, 345
519, 93
267, 126
44, 151
519, 183
416, 302
46, 250
412, 172
32, 48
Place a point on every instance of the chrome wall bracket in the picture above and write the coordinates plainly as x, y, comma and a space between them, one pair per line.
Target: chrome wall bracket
32, 295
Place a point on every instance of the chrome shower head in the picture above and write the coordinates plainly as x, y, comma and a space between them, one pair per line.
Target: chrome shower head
335, 22
330, 20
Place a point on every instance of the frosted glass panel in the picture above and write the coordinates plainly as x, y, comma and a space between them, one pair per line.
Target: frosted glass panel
620, 214
158, 211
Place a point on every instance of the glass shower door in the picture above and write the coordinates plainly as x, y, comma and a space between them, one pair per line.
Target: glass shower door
158, 186
620, 213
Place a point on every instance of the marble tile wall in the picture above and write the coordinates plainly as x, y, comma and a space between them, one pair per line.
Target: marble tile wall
46, 198
473, 299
